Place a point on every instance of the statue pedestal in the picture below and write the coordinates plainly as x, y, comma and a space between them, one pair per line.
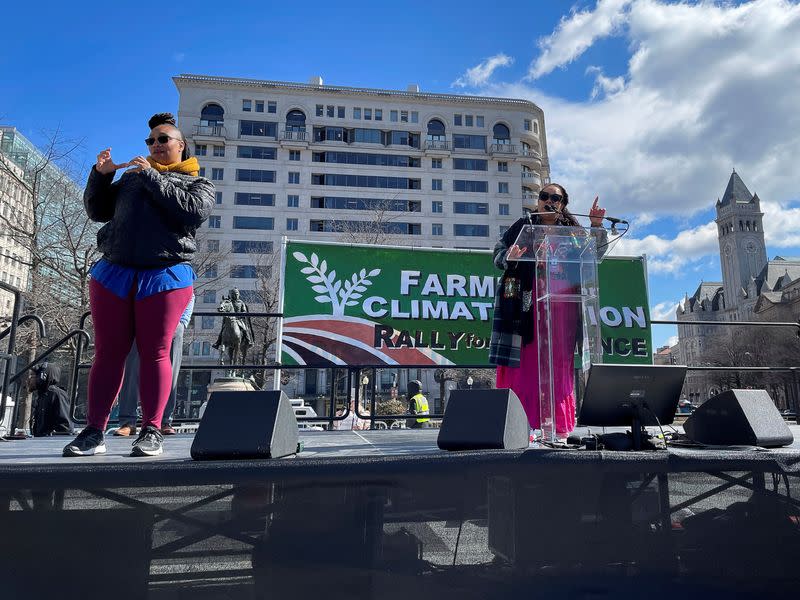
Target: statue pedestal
229, 384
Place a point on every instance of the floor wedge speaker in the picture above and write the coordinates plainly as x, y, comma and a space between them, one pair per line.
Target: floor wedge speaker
739, 417
480, 419
258, 424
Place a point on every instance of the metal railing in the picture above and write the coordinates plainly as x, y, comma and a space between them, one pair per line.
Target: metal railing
210, 130
294, 136
437, 145
504, 148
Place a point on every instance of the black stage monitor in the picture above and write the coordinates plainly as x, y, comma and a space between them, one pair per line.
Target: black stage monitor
631, 395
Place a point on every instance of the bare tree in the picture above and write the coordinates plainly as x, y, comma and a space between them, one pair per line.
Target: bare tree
57, 237
382, 226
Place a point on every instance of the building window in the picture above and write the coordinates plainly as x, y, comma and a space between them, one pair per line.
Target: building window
294, 154
210, 272
200, 150
251, 247
219, 150
206, 348
471, 208
212, 115
255, 175
291, 224
331, 112
293, 201
210, 296
247, 272
340, 112
502, 135
436, 163
294, 176
502, 166
247, 199
264, 223
202, 172
296, 120
528, 126
437, 229
472, 142
247, 105
404, 116
414, 116
320, 110
214, 222
217, 174
502, 187
368, 114
213, 245
471, 230
436, 206
471, 164
393, 116
467, 120
536, 127
258, 128
356, 113
207, 323
457, 120
256, 152
504, 210
378, 114
272, 106
259, 106
478, 121
436, 185
218, 197
465, 185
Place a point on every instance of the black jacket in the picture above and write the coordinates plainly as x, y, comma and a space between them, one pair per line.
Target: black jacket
150, 217
50, 412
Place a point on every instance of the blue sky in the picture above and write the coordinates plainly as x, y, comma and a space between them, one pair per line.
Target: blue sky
648, 103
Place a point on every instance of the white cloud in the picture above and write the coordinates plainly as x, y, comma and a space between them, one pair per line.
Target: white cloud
576, 34
664, 311
606, 86
671, 255
708, 87
672, 340
479, 75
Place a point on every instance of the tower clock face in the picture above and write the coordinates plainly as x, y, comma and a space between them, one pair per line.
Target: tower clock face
750, 246
727, 249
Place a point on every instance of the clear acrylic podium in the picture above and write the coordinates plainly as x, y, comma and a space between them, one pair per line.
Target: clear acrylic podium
565, 298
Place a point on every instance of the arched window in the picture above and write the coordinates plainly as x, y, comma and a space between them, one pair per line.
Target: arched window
748, 225
741, 226
295, 120
755, 225
435, 131
502, 135
212, 115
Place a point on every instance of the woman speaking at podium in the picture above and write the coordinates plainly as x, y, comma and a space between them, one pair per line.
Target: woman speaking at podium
143, 283
513, 347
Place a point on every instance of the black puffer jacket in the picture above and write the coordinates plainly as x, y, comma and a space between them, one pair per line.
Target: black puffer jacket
150, 217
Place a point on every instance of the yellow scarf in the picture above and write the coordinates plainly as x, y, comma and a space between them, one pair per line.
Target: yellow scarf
190, 166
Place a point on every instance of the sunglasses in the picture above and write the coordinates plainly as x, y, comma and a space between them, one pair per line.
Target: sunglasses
544, 197
162, 139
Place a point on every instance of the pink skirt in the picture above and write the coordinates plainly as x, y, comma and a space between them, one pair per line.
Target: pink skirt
524, 380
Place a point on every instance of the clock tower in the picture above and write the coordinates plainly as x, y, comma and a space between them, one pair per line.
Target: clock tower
743, 252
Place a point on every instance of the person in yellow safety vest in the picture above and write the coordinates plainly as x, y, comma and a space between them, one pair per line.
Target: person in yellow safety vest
417, 405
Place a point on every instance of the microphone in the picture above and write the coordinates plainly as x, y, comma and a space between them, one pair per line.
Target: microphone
615, 220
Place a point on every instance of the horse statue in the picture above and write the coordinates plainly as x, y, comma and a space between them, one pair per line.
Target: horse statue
234, 338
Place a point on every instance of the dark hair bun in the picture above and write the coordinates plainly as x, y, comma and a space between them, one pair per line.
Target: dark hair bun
161, 119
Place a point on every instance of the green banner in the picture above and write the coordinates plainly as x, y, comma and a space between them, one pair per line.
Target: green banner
356, 305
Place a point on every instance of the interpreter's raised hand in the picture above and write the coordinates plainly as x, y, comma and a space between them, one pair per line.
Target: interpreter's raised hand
515, 252
596, 214
138, 165
105, 164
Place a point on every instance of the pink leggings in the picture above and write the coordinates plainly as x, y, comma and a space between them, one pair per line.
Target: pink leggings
151, 322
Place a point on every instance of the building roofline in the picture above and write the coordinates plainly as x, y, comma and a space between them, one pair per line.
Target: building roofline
338, 89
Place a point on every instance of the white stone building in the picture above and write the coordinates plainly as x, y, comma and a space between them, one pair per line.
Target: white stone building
307, 160
16, 206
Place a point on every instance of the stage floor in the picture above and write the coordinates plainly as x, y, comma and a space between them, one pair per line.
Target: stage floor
386, 514
317, 445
